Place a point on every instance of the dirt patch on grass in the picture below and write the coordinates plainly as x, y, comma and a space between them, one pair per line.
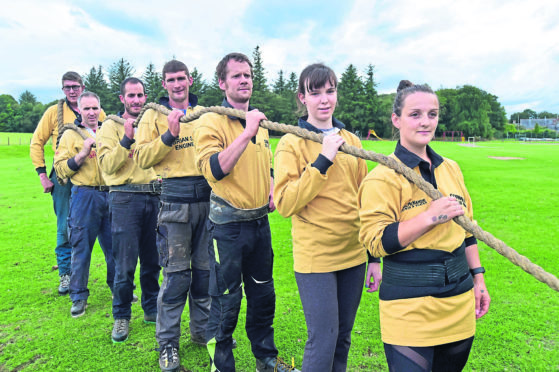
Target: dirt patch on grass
505, 158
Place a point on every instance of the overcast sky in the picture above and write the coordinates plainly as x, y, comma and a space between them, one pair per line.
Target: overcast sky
509, 48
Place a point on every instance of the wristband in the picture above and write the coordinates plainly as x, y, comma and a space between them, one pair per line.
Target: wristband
477, 270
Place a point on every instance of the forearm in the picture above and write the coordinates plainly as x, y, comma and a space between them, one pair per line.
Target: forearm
229, 157
412, 229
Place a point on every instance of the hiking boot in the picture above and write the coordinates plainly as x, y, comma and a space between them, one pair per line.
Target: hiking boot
273, 364
150, 318
120, 330
64, 287
78, 308
169, 358
134, 298
201, 341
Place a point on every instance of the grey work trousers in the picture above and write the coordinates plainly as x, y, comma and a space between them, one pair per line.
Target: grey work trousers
183, 243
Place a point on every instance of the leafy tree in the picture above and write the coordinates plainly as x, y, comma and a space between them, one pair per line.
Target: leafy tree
152, 81
8, 113
27, 97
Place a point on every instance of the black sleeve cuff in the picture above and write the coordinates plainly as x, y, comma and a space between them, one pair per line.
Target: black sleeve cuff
390, 240
126, 142
217, 172
40, 170
272, 172
322, 163
168, 138
73, 165
470, 241
371, 259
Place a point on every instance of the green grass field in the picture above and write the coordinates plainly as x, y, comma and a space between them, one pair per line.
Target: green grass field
515, 200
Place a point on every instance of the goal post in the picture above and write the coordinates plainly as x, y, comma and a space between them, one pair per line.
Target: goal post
471, 141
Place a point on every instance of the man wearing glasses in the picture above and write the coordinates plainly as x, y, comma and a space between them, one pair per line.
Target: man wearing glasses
48, 128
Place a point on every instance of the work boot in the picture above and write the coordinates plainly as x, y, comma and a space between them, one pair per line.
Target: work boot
150, 318
169, 360
120, 330
64, 287
273, 364
134, 297
78, 308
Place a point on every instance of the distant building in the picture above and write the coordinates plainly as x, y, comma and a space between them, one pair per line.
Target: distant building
551, 123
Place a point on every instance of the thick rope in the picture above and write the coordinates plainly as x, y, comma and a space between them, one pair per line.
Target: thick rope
523, 262
59, 119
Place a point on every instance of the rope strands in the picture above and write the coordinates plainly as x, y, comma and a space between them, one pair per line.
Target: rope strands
523, 262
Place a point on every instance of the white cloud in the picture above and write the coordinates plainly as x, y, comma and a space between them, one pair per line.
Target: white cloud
509, 49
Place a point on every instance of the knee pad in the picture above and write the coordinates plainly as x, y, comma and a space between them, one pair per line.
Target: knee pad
176, 286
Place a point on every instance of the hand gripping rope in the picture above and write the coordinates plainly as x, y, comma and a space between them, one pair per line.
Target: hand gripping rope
523, 262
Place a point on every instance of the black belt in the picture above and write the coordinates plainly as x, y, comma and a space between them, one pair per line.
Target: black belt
98, 188
192, 189
149, 188
425, 274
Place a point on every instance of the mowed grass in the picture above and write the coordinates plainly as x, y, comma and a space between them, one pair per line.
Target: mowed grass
515, 200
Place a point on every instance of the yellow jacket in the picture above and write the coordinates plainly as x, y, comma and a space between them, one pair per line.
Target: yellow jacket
88, 174
116, 161
247, 186
156, 147
323, 207
47, 128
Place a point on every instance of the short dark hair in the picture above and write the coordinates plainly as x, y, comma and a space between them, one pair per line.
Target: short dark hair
174, 66
221, 69
312, 77
405, 88
131, 80
72, 76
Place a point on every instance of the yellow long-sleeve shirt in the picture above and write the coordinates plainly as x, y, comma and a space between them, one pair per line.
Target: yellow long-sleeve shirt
247, 186
89, 173
324, 210
47, 128
116, 161
155, 146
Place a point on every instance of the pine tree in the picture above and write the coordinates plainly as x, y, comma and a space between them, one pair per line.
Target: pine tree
351, 106
213, 95
95, 82
258, 72
152, 82
118, 71
280, 84
371, 103
198, 86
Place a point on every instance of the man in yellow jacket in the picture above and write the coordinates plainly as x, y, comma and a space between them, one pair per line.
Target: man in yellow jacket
48, 127
134, 204
88, 218
183, 240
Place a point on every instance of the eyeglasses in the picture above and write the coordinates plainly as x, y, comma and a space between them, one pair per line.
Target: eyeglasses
68, 88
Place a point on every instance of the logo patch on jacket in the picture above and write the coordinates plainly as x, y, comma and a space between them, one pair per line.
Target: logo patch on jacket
414, 203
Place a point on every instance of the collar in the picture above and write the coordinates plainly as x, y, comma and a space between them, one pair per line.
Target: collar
226, 103
192, 101
78, 115
79, 124
119, 114
303, 123
412, 160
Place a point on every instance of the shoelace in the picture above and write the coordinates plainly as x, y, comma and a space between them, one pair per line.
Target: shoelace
120, 325
281, 363
171, 352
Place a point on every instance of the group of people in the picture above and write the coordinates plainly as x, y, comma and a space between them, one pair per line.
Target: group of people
193, 198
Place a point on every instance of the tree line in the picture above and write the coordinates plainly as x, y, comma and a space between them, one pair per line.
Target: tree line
467, 109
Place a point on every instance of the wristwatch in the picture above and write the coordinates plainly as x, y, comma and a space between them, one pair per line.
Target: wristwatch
477, 270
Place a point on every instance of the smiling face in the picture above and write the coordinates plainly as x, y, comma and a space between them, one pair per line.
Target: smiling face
133, 99
177, 84
418, 121
320, 104
238, 83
